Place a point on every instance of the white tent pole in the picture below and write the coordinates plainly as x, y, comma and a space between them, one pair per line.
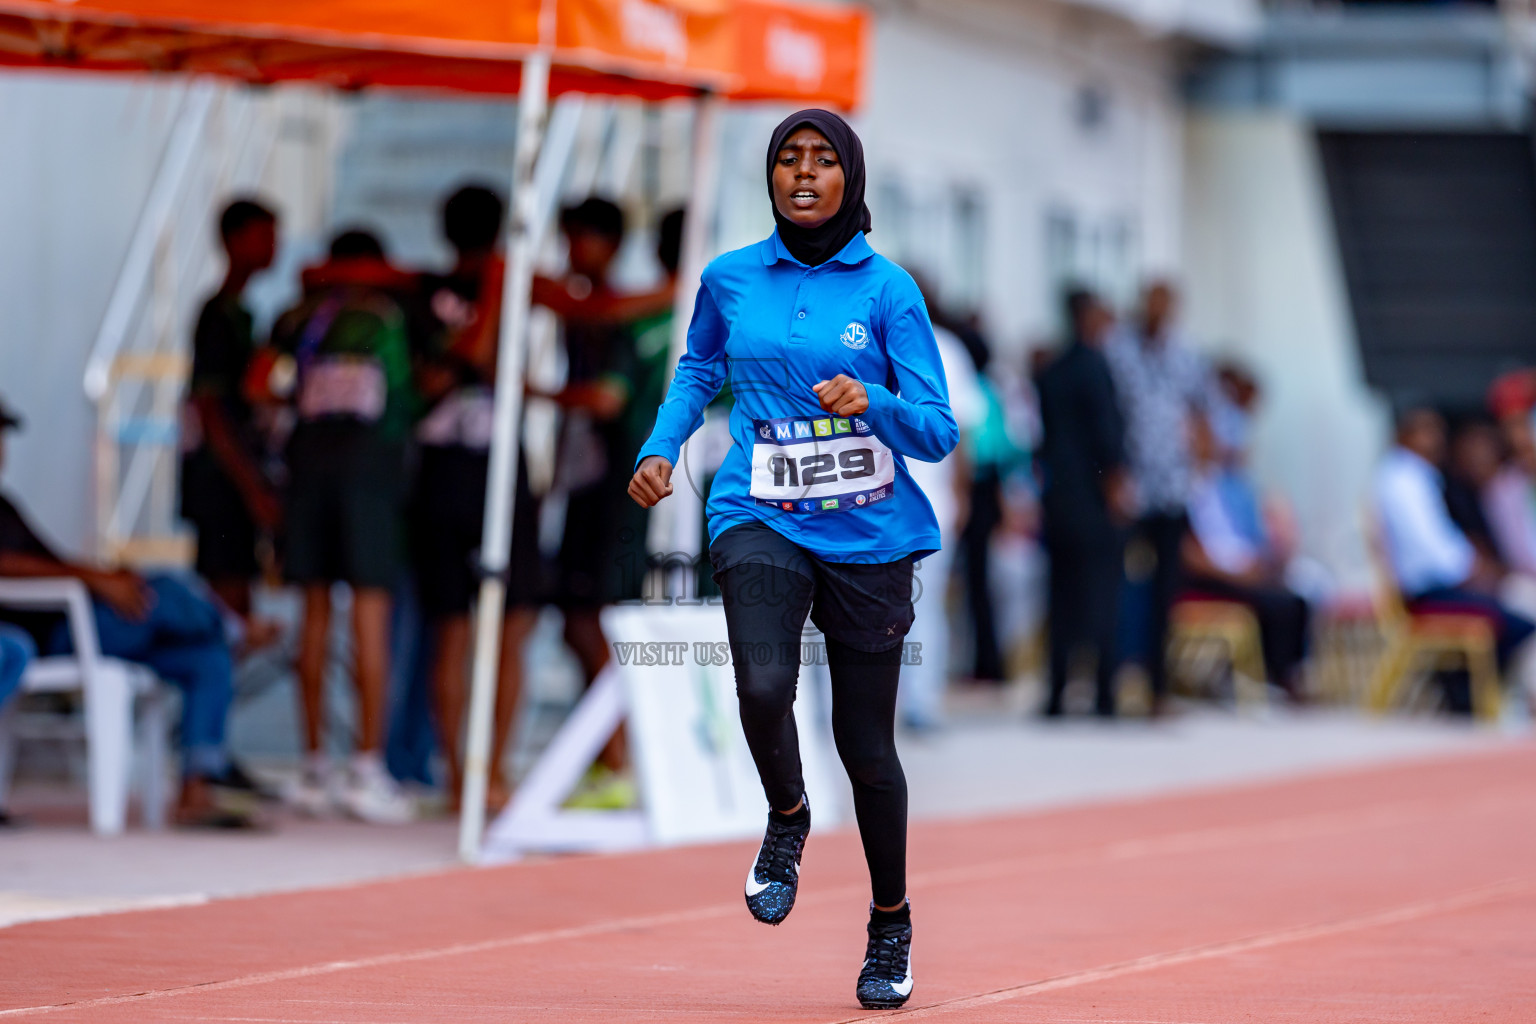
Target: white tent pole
687, 501
501, 484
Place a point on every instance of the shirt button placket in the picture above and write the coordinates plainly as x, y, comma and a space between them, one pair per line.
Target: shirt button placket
797, 326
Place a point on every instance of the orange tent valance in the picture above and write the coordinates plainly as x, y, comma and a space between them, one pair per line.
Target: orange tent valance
812, 55
754, 49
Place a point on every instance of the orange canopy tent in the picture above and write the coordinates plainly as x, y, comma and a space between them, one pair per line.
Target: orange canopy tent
654, 49
748, 49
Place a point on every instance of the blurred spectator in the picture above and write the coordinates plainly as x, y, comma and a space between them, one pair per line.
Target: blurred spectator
1160, 383
1086, 501
1512, 394
223, 491
345, 366
946, 484
595, 454
159, 622
1509, 498
596, 451
1476, 456
17, 649
1433, 563
1230, 409
992, 455
448, 507
1228, 555
648, 386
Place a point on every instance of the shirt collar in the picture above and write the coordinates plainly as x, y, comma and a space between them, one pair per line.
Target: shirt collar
772, 249
1416, 462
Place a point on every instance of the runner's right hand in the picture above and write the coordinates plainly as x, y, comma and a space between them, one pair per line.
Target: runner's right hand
651, 482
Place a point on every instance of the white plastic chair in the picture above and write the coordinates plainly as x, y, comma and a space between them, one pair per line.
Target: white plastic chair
110, 687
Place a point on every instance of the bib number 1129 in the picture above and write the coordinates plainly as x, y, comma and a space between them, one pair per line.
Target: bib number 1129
820, 464
822, 468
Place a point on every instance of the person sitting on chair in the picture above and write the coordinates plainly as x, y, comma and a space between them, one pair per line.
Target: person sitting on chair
1436, 567
156, 621
16, 651
1228, 555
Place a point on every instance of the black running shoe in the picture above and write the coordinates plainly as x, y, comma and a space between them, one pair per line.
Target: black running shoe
775, 875
234, 777
886, 980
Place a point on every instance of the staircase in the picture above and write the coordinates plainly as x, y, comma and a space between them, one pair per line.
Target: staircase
1437, 231
221, 145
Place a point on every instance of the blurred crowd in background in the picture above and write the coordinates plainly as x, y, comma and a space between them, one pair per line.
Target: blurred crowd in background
351, 447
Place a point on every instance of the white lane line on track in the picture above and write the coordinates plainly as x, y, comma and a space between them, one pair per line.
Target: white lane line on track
1479, 896
390, 959
1303, 826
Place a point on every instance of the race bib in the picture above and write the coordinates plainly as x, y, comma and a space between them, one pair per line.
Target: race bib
820, 464
466, 417
351, 386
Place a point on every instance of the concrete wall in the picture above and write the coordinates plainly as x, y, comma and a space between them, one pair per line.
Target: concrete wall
1265, 285
77, 154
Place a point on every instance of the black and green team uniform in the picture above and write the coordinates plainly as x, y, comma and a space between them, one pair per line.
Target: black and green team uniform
602, 551
447, 503
346, 459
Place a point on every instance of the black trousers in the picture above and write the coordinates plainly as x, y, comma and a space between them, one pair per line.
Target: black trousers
1283, 624
986, 512
765, 612
1163, 535
1085, 580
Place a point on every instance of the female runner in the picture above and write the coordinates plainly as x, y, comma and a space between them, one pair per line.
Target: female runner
837, 379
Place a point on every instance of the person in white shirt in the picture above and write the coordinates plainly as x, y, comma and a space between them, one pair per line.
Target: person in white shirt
1228, 556
921, 697
1509, 499
1433, 563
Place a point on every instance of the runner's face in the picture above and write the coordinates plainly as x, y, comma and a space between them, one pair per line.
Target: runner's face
807, 179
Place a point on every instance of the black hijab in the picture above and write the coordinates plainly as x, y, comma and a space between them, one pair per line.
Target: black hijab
814, 246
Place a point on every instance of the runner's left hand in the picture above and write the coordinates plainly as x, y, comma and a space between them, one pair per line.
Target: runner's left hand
842, 396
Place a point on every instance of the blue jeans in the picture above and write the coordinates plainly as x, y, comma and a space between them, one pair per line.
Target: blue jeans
409, 743
182, 641
16, 650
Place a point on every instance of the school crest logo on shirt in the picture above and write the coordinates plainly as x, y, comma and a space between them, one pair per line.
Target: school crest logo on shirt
855, 336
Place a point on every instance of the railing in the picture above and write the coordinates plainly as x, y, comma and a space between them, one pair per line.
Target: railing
220, 144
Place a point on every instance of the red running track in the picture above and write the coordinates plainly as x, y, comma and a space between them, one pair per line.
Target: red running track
1397, 894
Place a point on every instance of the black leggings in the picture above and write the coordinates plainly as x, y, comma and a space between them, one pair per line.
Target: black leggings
765, 610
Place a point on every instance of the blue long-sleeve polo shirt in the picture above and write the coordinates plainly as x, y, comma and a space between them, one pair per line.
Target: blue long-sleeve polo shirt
775, 327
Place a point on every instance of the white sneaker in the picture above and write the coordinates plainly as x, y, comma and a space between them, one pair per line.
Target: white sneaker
372, 795
313, 793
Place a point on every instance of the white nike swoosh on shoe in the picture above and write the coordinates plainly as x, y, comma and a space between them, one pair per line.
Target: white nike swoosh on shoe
753, 885
903, 987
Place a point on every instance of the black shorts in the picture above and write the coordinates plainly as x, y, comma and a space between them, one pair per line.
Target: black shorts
867, 606
602, 557
226, 533
345, 521
447, 520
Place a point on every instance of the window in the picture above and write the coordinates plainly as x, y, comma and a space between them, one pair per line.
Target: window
965, 279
